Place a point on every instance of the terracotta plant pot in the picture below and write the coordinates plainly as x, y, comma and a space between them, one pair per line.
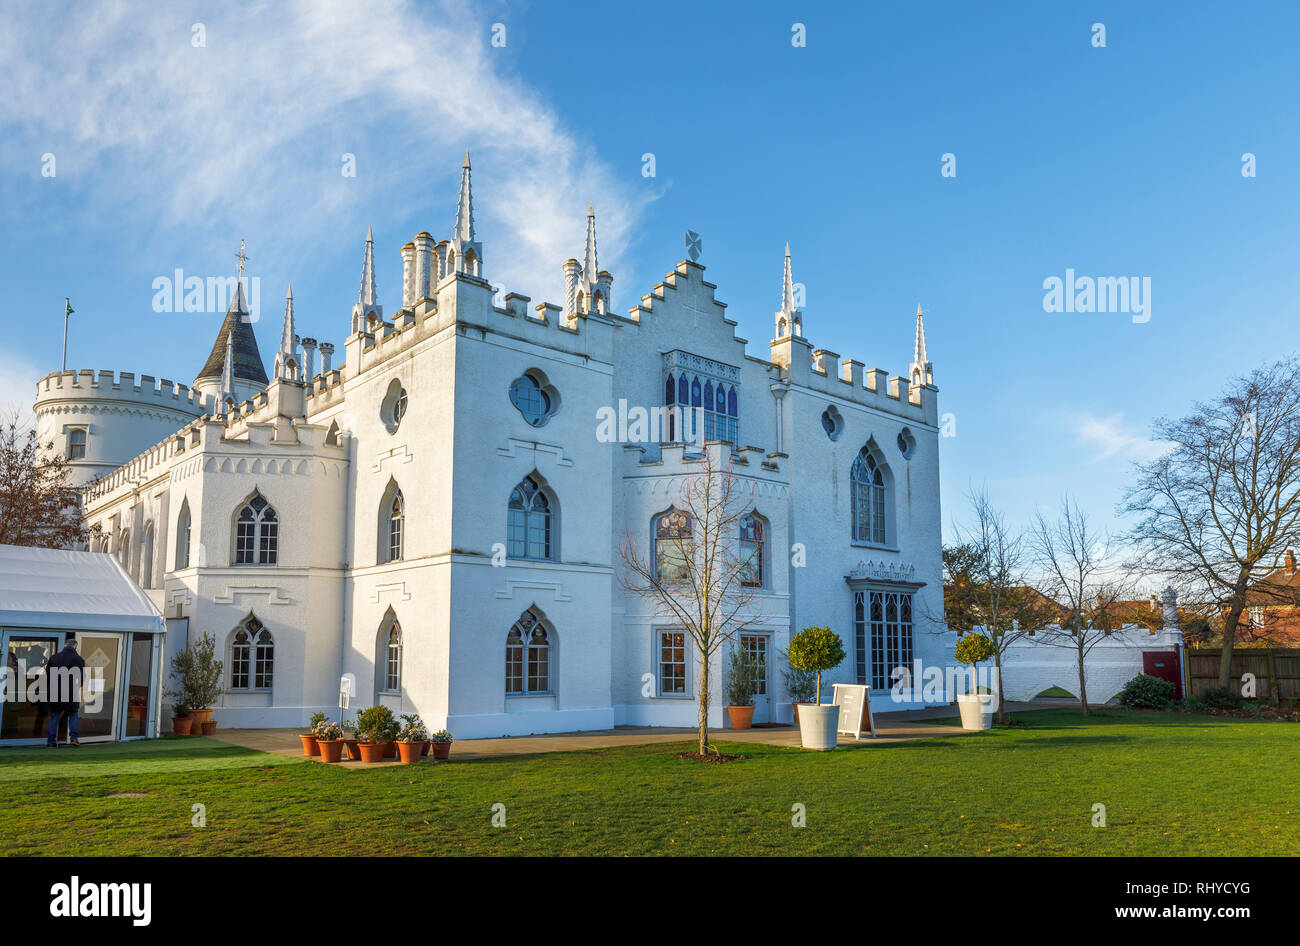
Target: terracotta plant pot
331, 750
409, 751
742, 717
309, 747
371, 751
441, 750
181, 725
354, 750
390, 749
200, 716
425, 750
138, 713
209, 727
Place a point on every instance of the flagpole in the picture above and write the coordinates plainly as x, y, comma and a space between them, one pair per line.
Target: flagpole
67, 311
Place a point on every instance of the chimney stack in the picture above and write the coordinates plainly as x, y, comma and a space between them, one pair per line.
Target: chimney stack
309, 358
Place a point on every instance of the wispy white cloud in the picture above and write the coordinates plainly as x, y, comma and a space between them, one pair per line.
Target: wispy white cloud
246, 134
1111, 438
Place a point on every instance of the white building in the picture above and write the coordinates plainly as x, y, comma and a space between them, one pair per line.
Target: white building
438, 516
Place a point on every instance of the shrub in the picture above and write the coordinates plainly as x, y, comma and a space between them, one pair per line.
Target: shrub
1147, 692
742, 677
414, 730
440, 736
800, 684
376, 724
316, 719
816, 649
1222, 698
198, 674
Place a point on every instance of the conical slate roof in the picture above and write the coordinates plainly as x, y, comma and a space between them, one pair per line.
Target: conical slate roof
248, 360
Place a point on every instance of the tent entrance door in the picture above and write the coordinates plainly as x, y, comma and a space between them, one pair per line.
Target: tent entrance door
26, 717
98, 717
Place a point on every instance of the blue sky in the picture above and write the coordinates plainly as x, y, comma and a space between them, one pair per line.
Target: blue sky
1116, 161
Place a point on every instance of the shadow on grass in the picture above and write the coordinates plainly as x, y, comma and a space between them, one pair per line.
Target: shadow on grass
168, 754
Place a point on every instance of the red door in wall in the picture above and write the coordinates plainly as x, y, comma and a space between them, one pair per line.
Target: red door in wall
1164, 664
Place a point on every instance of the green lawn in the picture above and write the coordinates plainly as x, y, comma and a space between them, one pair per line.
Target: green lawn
1171, 784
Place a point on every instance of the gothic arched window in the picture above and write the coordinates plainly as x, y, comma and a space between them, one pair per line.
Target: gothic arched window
183, 536
257, 533
146, 557
528, 521
393, 659
392, 523
753, 538
868, 481
672, 544
528, 657
252, 657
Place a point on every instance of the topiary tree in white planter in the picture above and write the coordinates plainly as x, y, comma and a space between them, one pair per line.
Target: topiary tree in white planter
972, 649
816, 650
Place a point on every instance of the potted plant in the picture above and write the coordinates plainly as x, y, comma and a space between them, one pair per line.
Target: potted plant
441, 744
329, 738
411, 739
800, 684
209, 727
309, 747
816, 650
198, 675
350, 741
181, 721
413, 719
742, 684
375, 728
976, 708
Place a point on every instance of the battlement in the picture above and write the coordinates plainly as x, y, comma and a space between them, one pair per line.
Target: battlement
133, 472
121, 386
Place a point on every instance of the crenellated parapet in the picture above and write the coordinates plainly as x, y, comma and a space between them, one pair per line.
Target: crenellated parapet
123, 386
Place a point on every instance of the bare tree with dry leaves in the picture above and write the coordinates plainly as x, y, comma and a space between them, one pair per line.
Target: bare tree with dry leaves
985, 583
1075, 561
1220, 507
694, 572
38, 507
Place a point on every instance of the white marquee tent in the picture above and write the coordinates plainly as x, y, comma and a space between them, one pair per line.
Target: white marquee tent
50, 596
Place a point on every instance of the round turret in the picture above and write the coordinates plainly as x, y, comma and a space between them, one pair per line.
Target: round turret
100, 420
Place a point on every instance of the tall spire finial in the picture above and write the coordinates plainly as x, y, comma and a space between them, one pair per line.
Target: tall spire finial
288, 352
589, 267
922, 371
787, 286
465, 205
919, 354
242, 257
227, 395
367, 294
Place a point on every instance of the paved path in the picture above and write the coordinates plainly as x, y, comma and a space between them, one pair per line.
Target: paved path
892, 728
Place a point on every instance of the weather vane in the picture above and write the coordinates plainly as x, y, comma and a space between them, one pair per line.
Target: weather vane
694, 245
242, 257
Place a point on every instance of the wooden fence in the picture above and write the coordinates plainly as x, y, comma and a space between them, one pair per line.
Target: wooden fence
1276, 670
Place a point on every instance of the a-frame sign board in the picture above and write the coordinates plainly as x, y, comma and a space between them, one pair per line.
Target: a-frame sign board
854, 702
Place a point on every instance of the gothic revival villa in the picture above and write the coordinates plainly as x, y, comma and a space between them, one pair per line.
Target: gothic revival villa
438, 516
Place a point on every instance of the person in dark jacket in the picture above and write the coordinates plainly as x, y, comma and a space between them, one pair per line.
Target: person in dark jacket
64, 674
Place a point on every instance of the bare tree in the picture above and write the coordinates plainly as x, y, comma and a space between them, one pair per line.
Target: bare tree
986, 574
1074, 560
1219, 508
694, 574
37, 505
